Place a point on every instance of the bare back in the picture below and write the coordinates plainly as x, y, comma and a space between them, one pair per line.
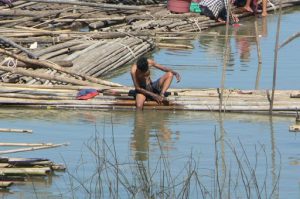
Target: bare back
142, 78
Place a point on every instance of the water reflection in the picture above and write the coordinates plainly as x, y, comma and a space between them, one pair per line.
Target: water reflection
274, 168
150, 125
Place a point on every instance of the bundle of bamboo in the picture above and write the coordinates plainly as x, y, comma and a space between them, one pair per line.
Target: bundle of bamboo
14, 170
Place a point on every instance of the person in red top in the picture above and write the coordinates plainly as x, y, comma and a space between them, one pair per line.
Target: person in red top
145, 87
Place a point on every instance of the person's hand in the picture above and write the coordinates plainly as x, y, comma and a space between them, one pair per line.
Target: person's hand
158, 98
178, 78
235, 18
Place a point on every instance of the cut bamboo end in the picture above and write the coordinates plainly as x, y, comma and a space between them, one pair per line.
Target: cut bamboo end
58, 167
294, 128
5, 184
25, 171
9, 130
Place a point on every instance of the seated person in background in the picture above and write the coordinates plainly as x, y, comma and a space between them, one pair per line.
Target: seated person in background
217, 10
251, 6
140, 74
264, 8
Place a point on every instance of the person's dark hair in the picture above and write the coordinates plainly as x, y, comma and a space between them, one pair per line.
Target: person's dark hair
142, 64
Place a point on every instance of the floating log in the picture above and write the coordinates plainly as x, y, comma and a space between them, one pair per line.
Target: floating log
15, 130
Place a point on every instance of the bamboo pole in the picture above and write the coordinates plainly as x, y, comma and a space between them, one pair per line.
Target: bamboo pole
28, 19
49, 76
57, 47
258, 74
25, 171
225, 55
13, 44
100, 5
62, 63
46, 64
290, 39
41, 97
5, 184
25, 144
78, 53
112, 54
4, 165
15, 130
275, 58
31, 148
174, 46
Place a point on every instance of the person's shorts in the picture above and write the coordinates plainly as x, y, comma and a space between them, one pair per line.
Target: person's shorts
156, 87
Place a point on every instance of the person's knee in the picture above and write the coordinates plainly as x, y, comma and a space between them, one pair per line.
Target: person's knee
169, 75
139, 106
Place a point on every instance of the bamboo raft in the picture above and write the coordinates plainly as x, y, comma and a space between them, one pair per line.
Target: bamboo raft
64, 97
114, 35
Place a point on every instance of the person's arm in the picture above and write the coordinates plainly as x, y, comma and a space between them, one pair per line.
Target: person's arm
164, 68
138, 88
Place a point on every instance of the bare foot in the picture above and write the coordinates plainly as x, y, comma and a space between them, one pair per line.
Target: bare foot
220, 20
264, 14
247, 8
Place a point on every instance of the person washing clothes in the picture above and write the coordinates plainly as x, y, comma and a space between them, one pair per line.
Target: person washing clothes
217, 10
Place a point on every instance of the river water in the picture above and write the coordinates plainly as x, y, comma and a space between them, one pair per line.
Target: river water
246, 146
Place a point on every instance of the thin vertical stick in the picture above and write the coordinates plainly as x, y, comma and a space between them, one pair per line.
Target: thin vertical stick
276, 57
258, 74
225, 55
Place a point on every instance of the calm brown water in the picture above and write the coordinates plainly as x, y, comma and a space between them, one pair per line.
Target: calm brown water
269, 146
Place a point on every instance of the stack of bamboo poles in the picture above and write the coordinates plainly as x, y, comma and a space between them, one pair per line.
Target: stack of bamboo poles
89, 58
69, 14
16, 170
103, 57
255, 101
57, 74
